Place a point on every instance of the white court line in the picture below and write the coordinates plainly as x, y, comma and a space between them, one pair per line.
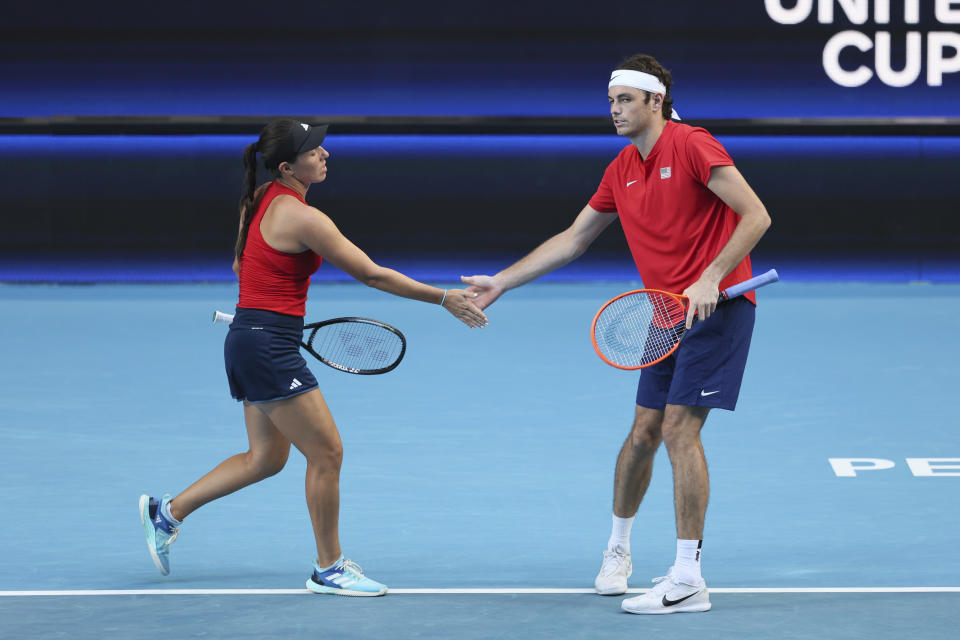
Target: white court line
534, 591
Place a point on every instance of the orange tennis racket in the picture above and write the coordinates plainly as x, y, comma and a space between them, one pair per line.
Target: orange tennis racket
640, 328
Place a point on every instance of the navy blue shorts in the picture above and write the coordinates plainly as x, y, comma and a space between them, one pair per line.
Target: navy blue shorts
707, 368
262, 356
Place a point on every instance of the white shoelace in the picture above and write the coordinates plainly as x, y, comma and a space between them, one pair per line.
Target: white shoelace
661, 585
169, 541
353, 567
612, 562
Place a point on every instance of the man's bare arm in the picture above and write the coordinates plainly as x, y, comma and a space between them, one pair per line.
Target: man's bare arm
731, 187
554, 253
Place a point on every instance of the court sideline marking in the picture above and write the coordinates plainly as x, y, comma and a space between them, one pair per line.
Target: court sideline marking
455, 591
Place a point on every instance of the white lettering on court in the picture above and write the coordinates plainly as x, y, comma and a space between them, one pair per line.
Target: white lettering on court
925, 467
919, 467
848, 467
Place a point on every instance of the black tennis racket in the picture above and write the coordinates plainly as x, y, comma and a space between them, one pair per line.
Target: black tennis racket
354, 345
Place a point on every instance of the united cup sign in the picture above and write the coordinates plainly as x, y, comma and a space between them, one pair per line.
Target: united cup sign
937, 52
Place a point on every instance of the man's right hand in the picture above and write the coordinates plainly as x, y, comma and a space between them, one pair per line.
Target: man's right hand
486, 288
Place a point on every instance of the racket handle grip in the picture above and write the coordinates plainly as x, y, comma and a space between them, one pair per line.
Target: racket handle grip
753, 283
222, 318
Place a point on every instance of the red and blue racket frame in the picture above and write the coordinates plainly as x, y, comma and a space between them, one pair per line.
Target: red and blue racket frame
640, 328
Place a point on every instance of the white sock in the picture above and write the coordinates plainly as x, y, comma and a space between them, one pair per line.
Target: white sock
165, 510
620, 535
686, 569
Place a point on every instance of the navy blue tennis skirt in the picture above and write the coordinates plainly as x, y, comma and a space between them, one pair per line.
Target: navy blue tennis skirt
262, 356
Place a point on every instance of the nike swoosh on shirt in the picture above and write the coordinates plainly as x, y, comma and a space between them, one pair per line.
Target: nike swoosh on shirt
631, 182
709, 393
670, 603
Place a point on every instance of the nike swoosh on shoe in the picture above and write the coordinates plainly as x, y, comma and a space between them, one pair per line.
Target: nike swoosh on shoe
670, 603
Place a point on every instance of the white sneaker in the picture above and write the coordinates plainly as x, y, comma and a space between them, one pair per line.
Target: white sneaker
616, 568
670, 596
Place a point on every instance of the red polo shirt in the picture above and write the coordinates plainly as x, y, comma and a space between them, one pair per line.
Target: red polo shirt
674, 225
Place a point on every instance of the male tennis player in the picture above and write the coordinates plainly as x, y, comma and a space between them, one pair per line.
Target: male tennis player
690, 220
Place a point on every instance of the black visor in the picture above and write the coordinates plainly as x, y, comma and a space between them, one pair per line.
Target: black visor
304, 137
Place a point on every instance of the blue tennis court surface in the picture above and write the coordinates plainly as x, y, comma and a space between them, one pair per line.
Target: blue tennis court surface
485, 463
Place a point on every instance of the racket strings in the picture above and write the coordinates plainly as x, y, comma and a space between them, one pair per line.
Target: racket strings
357, 345
639, 329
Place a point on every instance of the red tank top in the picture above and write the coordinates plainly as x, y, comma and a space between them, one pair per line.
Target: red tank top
270, 279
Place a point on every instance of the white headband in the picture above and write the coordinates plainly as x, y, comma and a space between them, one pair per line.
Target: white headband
639, 80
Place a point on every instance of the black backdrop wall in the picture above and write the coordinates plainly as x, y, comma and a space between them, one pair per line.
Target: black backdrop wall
829, 193
540, 61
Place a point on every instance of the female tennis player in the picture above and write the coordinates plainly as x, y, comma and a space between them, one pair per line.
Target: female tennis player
280, 243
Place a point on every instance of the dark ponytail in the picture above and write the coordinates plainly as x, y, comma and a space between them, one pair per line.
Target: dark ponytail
247, 203
271, 149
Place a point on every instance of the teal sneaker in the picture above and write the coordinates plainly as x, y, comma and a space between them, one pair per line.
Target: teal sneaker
160, 532
345, 578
